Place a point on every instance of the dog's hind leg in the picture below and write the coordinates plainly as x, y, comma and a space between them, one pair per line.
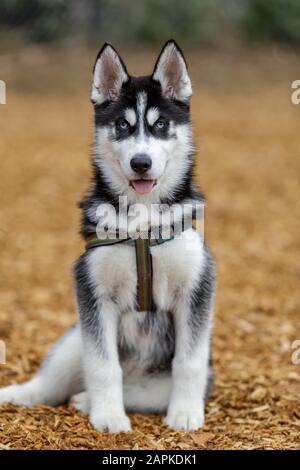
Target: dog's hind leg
60, 376
146, 394
81, 402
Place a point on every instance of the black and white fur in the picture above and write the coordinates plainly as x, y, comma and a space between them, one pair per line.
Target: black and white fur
116, 358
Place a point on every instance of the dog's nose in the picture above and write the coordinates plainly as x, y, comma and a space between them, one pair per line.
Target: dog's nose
141, 163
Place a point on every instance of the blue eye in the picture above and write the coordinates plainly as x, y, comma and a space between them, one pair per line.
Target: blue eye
123, 125
160, 124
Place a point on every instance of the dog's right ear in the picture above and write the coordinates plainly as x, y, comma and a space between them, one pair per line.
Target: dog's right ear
109, 75
171, 72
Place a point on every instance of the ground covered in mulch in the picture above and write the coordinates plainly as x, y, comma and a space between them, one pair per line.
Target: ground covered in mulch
248, 163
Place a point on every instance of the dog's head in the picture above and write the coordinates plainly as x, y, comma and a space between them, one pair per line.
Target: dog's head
143, 139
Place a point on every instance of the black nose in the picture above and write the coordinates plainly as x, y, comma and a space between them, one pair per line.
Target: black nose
141, 163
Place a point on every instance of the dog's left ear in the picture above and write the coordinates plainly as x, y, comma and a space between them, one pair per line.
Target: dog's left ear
171, 72
109, 75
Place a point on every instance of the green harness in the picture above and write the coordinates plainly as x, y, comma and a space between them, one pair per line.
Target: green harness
143, 259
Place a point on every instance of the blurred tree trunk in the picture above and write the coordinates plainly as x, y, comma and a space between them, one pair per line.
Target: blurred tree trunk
87, 17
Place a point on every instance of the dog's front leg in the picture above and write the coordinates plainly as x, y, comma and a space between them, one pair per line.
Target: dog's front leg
103, 373
189, 375
192, 320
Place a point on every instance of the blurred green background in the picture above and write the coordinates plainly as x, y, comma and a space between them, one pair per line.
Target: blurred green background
207, 22
243, 56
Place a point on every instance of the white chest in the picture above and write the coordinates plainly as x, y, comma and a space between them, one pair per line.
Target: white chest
177, 265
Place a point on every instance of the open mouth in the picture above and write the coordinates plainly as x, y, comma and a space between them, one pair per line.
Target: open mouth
143, 186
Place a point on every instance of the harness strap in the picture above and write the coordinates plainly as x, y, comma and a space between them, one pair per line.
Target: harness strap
144, 274
143, 257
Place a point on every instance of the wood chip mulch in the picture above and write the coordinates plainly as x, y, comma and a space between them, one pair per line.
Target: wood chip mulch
249, 166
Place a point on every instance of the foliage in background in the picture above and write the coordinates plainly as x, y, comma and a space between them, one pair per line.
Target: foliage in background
154, 20
150, 21
39, 20
276, 20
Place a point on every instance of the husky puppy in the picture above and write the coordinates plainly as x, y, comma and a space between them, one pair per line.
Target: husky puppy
116, 358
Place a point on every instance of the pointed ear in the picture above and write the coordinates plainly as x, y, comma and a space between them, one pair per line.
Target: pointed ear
109, 75
171, 72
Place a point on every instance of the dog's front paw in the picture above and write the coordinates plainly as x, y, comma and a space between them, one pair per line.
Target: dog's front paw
185, 419
110, 422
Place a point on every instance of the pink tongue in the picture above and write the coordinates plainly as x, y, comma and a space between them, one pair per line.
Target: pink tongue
142, 186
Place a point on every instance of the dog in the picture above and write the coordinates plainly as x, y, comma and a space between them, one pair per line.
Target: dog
117, 358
